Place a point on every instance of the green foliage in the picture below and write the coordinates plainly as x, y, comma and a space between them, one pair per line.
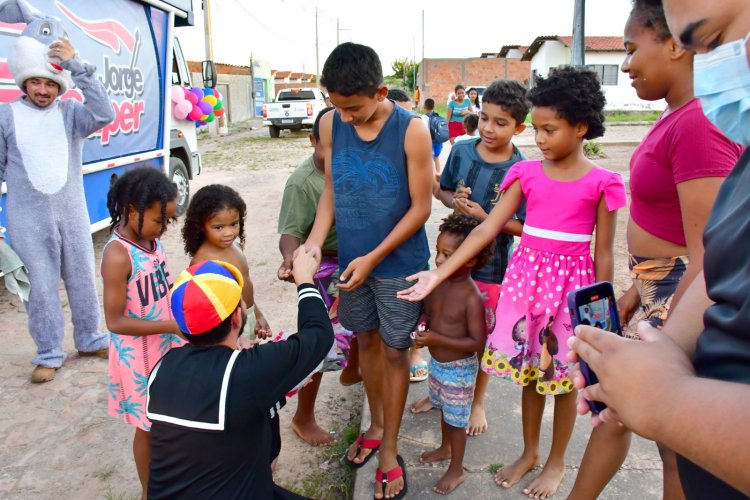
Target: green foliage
494, 468
631, 116
593, 149
404, 70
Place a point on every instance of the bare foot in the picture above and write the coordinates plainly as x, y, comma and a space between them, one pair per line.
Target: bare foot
449, 482
436, 455
477, 421
511, 474
350, 376
311, 433
421, 406
546, 483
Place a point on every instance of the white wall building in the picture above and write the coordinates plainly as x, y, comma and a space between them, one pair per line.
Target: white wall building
604, 55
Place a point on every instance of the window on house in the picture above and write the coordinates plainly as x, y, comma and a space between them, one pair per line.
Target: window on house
607, 73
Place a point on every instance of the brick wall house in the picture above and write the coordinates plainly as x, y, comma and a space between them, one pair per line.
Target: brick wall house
437, 78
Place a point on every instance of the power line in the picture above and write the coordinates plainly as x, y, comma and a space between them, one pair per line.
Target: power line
260, 23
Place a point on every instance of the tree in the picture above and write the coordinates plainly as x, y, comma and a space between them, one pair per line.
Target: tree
404, 70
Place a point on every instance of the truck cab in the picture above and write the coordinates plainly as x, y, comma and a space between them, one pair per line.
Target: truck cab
293, 109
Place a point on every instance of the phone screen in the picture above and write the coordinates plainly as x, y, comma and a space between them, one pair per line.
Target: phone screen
600, 313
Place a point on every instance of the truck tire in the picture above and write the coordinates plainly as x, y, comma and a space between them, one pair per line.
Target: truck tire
274, 131
178, 174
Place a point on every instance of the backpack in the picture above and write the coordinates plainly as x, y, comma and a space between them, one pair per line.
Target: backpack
438, 128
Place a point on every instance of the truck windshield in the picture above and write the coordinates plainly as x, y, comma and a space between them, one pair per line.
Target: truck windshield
297, 95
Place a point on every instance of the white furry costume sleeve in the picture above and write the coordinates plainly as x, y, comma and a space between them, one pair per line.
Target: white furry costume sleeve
48, 224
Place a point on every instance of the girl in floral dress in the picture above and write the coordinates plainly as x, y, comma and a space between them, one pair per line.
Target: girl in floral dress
567, 197
136, 298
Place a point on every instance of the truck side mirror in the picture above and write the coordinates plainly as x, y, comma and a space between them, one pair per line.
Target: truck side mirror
209, 74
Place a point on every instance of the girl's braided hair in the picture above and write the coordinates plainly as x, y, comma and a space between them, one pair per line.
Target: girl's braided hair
140, 188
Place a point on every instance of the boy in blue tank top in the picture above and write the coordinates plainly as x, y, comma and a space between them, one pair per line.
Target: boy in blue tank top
378, 165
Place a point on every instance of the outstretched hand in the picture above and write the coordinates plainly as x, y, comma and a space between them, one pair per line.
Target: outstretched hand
355, 273
636, 377
426, 281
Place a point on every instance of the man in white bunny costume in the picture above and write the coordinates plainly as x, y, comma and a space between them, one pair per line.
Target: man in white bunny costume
41, 142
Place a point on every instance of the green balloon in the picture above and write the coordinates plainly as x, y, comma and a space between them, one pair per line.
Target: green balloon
218, 104
210, 118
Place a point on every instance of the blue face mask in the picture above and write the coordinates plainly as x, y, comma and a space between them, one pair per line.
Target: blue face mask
721, 80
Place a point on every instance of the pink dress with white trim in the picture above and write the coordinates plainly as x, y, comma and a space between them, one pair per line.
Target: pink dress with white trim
532, 326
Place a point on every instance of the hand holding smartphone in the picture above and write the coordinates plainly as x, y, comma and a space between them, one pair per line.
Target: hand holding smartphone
594, 305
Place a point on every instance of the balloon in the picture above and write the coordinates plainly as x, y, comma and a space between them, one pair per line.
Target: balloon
208, 91
218, 112
190, 97
198, 92
201, 123
178, 113
210, 118
195, 114
205, 107
210, 99
178, 93
218, 105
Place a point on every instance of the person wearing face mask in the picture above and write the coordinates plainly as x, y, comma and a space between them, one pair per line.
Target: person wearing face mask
689, 386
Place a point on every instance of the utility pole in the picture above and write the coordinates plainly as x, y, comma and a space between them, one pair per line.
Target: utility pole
207, 30
252, 87
578, 57
317, 51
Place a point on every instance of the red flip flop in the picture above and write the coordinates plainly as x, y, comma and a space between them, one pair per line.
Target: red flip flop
392, 475
361, 442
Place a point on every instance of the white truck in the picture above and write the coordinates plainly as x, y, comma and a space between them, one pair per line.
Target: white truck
293, 109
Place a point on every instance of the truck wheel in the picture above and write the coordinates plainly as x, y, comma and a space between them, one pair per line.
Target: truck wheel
274, 131
178, 174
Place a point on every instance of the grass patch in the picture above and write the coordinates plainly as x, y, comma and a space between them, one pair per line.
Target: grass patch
593, 149
329, 477
112, 495
493, 468
105, 474
631, 116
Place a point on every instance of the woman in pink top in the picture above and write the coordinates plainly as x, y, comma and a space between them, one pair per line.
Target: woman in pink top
675, 174
567, 197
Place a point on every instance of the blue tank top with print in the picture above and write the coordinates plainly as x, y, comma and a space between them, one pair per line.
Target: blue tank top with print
371, 195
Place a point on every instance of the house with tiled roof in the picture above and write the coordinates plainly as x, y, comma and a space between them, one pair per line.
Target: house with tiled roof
603, 55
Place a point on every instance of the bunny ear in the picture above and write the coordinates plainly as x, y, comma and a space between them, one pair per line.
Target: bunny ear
18, 11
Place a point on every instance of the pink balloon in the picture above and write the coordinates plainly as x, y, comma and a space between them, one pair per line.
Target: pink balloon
195, 114
178, 93
198, 92
191, 98
179, 111
185, 107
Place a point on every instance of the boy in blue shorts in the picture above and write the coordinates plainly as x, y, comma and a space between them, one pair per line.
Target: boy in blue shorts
378, 186
469, 184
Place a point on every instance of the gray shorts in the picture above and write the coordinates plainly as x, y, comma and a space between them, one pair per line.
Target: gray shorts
374, 305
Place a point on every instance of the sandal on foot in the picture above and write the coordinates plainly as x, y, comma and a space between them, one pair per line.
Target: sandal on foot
392, 475
361, 442
413, 377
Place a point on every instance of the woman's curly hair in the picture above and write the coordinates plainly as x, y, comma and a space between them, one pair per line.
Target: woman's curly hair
461, 225
208, 201
576, 95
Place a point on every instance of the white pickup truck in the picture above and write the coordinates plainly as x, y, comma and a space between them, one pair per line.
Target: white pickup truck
293, 109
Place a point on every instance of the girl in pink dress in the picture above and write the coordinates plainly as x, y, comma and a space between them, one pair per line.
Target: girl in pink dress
136, 298
567, 197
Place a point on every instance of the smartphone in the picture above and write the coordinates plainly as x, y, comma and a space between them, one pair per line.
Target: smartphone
594, 305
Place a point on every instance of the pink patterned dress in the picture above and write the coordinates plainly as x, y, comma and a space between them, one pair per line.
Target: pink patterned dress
131, 359
532, 326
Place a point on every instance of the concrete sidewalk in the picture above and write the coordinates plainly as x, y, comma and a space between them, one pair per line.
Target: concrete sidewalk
639, 478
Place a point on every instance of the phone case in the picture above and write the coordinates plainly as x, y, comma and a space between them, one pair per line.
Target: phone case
580, 298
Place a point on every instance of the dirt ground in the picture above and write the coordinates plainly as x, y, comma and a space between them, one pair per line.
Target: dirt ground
56, 439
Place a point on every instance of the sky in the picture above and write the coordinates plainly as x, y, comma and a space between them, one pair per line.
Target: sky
282, 32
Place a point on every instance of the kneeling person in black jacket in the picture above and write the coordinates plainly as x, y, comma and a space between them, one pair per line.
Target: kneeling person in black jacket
210, 402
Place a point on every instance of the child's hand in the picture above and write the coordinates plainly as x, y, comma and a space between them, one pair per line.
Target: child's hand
423, 339
262, 328
462, 193
426, 281
355, 273
467, 207
285, 272
305, 264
